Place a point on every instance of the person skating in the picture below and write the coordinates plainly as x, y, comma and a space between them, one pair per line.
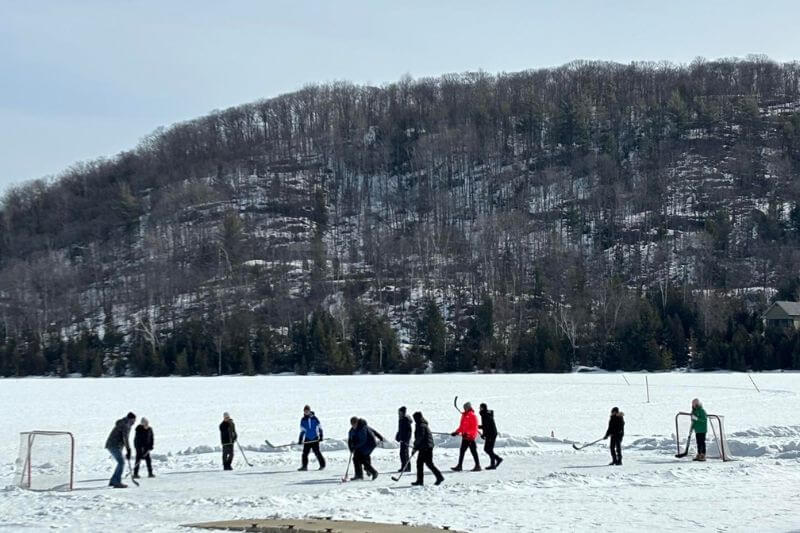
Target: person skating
468, 429
118, 439
227, 436
616, 430
310, 437
489, 435
404, 438
423, 446
143, 441
700, 427
361, 441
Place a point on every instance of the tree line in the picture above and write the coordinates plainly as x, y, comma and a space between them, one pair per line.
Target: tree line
553, 216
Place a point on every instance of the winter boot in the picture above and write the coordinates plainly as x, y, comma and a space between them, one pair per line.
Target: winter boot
498, 461
416, 483
701, 457
439, 481
477, 468
302, 469
374, 475
120, 486
456, 468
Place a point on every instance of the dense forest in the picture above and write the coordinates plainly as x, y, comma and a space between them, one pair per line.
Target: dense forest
636, 216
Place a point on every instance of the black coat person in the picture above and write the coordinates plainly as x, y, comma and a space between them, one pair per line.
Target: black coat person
616, 430
423, 447
403, 436
143, 442
489, 433
362, 440
227, 437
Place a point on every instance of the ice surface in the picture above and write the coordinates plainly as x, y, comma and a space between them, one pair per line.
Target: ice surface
542, 485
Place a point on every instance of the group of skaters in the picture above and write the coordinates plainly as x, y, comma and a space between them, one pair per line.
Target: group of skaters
118, 440
363, 439
616, 430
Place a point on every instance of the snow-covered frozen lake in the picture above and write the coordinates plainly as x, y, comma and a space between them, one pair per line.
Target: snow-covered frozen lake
543, 485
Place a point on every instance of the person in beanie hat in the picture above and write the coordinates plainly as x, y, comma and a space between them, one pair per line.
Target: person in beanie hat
310, 437
143, 442
489, 435
468, 429
404, 438
227, 436
700, 428
117, 439
423, 446
616, 430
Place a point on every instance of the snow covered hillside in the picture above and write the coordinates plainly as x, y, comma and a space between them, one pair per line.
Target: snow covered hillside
543, 484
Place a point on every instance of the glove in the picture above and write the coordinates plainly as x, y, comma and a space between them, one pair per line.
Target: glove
605, 438
482, 437
454, 434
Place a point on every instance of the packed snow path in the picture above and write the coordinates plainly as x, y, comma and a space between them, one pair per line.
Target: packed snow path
542, 485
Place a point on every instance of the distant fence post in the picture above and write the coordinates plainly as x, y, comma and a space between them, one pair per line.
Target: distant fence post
647, 385
753, 382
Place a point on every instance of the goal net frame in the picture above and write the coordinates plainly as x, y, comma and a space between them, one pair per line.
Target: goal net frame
716, 424
27, 441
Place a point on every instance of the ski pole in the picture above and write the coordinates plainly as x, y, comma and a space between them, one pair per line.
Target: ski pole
347, 471
243, 455
585, 445
403, 470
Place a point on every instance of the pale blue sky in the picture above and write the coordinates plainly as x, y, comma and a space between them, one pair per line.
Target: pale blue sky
89, 78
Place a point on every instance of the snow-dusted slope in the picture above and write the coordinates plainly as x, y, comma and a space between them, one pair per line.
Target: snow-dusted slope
543, 485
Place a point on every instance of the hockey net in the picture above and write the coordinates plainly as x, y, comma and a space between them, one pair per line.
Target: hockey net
716, 439
46, 460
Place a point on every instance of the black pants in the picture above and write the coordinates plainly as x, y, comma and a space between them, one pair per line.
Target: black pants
361, 463
468, 443
488, 447
309, 447
701, 443
425, 458
404, 457
140, 456
227, 456
616, 449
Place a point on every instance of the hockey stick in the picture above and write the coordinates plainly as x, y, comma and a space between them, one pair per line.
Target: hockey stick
243, 455
455, 404
586, 445
130, 471
268, 443
688, 443
347, 471
441, 433
403, 471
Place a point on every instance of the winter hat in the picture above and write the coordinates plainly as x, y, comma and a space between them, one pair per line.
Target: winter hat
483, 407
226, 415
418, 418
131, 416
468, 406
144, 421
306, 408
697, 402
614, 410
402, 410
353, 420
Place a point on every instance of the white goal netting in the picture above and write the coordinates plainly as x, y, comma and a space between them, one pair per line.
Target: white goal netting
716, 439
45, 460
